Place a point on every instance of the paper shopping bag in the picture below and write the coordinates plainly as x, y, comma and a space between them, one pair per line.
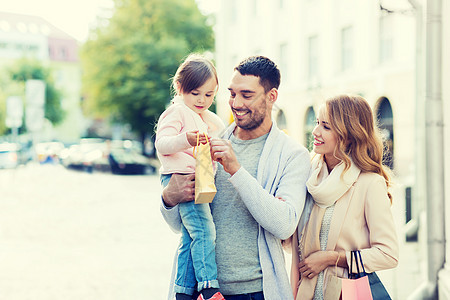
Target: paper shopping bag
333, 288
357, 286
356, 289
205, 189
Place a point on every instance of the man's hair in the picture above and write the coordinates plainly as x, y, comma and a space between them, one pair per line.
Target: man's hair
262, 67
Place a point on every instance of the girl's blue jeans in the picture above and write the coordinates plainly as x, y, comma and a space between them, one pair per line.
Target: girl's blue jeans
196, 261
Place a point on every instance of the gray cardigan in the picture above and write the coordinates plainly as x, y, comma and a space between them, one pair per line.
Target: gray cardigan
283, 169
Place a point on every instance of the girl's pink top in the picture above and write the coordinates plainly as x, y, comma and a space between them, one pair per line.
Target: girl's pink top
173, 149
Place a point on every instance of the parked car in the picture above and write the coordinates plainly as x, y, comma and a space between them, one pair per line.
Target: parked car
87, 155
11, 155
129, 162
117, 156
49, 152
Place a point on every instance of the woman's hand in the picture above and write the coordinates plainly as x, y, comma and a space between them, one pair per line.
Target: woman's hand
316, 262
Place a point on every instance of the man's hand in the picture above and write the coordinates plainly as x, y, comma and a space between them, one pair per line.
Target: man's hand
181, 188
222, 152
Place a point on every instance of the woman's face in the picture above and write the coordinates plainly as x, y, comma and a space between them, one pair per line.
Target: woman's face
325, 138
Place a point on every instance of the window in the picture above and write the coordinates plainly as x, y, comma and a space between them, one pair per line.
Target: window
233, 11
63, 53
255, 7
386, 123
284, 59
346, 48
22, 27
313, 57
281, 121
310, 123
5, 26
386, 38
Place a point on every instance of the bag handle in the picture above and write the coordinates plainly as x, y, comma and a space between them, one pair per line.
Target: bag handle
198, 141
356, 253
193, 149
360, 260
356, 261
351, 265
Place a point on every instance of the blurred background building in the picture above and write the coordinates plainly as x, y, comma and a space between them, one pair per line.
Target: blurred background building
35, 38
377, 49
394, 53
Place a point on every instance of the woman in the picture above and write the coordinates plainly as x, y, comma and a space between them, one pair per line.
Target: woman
351, 207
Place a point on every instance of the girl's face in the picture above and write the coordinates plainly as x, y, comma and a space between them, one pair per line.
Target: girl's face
201, 98
325, 138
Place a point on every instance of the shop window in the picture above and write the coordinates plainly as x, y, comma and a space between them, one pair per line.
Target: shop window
386, 123
310, 123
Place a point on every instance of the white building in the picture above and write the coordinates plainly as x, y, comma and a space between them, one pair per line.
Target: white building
33, 37
328, 47
444, 275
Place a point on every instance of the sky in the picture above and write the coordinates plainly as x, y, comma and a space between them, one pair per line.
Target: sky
74, 17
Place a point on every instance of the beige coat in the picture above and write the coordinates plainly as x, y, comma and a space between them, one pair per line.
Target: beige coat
362, 219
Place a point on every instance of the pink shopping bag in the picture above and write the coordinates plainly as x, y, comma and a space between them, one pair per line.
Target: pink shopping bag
356, 289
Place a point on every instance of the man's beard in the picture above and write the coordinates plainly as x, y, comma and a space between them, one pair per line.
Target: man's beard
257, 117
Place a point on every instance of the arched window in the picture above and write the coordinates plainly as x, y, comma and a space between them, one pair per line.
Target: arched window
386, 123
281, 120
310, 123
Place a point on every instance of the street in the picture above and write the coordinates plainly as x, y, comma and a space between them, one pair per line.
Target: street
71, 235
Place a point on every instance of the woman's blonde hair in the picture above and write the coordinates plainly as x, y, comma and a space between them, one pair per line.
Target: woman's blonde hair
358, 135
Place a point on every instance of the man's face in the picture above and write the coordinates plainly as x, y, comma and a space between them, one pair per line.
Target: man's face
248, 101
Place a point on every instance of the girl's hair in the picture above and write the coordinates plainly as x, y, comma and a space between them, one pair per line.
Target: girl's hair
193, 73
358, 136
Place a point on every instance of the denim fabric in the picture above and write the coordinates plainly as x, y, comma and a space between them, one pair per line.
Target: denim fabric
165, 178
252, 296
196, 261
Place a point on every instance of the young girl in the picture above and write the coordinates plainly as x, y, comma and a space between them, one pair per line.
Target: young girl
351, 208
195, 83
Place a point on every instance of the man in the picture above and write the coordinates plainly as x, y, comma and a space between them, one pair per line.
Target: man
260, 189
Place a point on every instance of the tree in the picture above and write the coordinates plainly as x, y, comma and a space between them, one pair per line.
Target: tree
128, 63
4, 86
25, 69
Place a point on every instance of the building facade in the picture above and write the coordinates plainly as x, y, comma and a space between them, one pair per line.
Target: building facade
328, 47
33, 37
444, 274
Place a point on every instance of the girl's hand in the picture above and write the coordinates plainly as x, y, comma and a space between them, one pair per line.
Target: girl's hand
192, 138
316, 262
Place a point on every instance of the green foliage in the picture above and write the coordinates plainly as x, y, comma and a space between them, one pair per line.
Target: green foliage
25, 69
4, 84
128, 64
